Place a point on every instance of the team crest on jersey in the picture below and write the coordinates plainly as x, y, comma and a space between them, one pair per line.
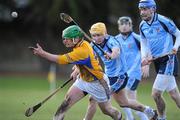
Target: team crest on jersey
129, 45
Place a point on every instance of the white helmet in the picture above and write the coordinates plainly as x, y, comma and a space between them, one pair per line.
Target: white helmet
125, 20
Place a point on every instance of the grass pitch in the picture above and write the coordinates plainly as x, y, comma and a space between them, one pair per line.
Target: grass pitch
19, 93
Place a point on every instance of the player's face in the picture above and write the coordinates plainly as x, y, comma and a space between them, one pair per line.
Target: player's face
99, 38
125, 27
146, 13
68, 42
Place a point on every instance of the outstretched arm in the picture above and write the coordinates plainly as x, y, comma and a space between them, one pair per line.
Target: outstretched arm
42, 53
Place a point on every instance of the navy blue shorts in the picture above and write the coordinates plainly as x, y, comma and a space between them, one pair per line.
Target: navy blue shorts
132, 84
167, 65
118, 83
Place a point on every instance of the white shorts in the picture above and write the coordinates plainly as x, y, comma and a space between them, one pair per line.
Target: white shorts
93, 88
164, 82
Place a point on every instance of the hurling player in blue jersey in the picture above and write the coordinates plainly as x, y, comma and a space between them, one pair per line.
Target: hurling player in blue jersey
157, 34
130, 43
115, 68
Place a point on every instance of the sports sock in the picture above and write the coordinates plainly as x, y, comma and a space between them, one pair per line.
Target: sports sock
128, 113
141, 115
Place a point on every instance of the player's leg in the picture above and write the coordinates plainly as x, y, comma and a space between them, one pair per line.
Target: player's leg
73, 95
173, 90
175, 95
109, 110
132, 95
123, 101
91, 110
119, 95
159, 87
166, 67
128, 111
96, 90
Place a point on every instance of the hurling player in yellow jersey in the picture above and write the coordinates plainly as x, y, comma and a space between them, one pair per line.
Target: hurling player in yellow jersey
92, 79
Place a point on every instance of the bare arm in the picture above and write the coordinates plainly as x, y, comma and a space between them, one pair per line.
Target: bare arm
42, 53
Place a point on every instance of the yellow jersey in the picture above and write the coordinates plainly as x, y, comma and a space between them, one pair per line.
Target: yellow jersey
85, 59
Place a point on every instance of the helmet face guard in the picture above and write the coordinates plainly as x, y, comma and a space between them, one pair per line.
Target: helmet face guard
125, 25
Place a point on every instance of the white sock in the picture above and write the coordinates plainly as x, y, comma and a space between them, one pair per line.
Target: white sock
141, 115
128, 113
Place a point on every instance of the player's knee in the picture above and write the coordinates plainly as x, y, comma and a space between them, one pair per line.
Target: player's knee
92, 103
91, 100
105, 111
156, 95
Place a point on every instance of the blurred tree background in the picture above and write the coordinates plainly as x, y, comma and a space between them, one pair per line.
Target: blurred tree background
39, 21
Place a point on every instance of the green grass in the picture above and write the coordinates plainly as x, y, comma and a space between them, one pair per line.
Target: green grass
19, 93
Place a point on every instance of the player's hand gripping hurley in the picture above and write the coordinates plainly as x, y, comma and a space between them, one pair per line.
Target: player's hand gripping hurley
31, 110
68, 19
155, 58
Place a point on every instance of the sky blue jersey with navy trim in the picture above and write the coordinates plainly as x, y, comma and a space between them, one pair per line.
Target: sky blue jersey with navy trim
132, 54
156, 37
113, 67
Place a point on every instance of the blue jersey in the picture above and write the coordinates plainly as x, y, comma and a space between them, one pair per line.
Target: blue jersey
113, 67
155, 37
132, 54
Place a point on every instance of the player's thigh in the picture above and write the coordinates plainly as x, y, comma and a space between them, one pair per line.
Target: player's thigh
175, 94
121, 97
74, 94
105, 106
131, 94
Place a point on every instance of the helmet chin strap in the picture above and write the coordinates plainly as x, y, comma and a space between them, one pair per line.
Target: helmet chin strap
74, 40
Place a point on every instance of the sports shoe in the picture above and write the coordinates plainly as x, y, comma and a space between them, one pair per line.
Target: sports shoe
155, 115
151, 114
